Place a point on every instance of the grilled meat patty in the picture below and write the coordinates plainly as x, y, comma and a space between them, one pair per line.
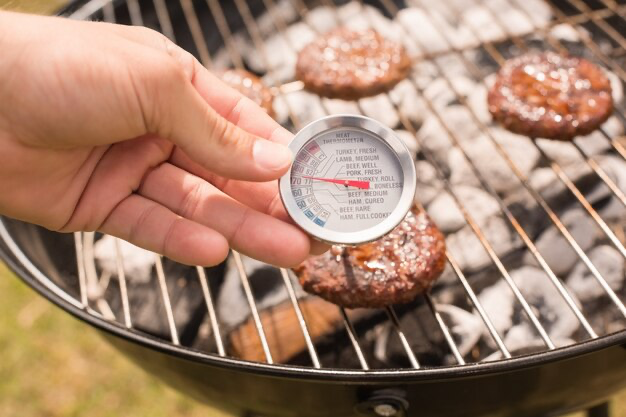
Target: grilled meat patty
549, 95
351, 64
250, 86
391, 270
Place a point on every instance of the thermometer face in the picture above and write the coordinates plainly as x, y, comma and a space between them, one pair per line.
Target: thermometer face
352, 180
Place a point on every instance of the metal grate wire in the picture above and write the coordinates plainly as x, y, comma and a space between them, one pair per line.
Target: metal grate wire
585, 15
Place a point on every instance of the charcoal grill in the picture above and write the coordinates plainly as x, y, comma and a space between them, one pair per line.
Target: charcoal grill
171, 326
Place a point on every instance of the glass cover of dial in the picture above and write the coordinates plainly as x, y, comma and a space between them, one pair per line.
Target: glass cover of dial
346, 180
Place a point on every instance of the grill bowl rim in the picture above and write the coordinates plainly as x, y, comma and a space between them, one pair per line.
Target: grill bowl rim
28, 272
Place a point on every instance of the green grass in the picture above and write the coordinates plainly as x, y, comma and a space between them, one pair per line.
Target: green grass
55, 366
32, 6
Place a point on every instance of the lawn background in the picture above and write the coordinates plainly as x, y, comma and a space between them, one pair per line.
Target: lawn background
52, 365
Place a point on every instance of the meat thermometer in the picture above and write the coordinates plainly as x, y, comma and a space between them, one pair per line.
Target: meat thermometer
352, 180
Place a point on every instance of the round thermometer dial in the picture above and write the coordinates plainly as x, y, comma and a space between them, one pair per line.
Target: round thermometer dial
352, 180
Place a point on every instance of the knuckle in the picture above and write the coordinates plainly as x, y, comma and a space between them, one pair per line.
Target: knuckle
134, 234
191, 200
160, 79
217, 128
169, 240
239, 227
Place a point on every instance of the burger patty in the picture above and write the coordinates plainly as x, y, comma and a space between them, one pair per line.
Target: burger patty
392, 270
250, 86
351, 64
549, 95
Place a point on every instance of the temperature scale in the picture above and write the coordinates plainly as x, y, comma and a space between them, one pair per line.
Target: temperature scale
352, 180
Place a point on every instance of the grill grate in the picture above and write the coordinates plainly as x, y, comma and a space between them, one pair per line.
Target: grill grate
573, 12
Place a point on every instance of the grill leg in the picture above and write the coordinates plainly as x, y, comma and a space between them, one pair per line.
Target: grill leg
601, 410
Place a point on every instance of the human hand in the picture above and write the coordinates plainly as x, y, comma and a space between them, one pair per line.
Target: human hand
116, 129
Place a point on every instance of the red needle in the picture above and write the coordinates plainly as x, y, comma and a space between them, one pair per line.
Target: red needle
348, 183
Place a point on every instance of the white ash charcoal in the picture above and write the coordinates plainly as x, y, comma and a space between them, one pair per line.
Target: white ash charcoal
429, 185
491, 164
565, 32
442, 94
561, 152
524, 336
221, 60
530, 345
512, 19
305, 107
448, 277
409, 140
409, 103
284, 11
349, 10
266, 283
477, 100
338, 106
617, 89
615, 167
498, 303
322, 19
137, 262
478, 203
519, 335
482, 22
300, 35
445, 213
380, 108
542, 178
420, 27
545, 181
538, 10
597, 143
466, 328
436, 138
279, 53
469, 252
450, 10
224, 59
454, 35
424, 72
371, 18
609, 262
555, 249
516, 22
451, 65
554, 312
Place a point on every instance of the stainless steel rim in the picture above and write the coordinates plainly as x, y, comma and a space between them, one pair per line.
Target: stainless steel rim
367, 124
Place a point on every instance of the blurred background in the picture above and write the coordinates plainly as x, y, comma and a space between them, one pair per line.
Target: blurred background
52, 365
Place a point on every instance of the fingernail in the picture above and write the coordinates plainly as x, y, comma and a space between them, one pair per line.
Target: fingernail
271, 156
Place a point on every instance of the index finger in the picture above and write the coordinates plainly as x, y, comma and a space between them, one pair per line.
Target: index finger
225, 100
238, 109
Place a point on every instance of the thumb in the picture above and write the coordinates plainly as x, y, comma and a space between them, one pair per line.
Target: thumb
212, 141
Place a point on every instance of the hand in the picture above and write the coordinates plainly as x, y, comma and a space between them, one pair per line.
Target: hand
116, 129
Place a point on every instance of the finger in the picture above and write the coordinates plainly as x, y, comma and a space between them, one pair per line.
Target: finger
244, 113
172, 108
250, 232
153, 227
117, 175
260, 196
317, 247
228, 102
